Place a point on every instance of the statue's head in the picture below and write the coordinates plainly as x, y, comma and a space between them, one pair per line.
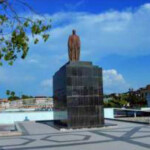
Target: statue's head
73, 32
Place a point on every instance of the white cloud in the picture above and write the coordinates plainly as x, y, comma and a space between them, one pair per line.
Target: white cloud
114, 82
47, 83
112, 32
3, 77
74, 6
32, 60
123, 33
12, 78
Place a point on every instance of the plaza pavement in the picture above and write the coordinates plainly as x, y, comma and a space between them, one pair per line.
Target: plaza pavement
39, 136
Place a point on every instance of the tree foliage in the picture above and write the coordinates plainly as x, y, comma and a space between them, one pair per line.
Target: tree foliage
136, 100
116, 103
26, 96
129, 99
11, 95
16, 30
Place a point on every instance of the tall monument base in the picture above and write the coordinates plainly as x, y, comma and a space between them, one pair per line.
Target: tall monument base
78, 95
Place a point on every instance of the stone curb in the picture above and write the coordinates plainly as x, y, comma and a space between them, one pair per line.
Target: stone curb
128, 121
9, 133
17, 127
17, 131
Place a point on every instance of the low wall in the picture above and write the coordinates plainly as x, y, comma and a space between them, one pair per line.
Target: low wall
11, 117
109, 113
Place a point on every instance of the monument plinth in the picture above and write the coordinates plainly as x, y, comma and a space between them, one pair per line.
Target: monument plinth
78, 91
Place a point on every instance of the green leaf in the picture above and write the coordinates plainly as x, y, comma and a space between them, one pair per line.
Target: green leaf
10, 63
36, 41
7, 92
17, 42
45, 37
26, 24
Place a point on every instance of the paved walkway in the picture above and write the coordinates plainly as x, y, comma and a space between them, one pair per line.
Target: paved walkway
38, 136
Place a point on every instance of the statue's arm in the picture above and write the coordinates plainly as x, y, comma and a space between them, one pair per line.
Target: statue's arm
79, 43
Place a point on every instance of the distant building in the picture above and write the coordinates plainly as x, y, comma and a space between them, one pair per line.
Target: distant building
148, 99
144, 93
4, 103
43, 100
40, 100
16, 103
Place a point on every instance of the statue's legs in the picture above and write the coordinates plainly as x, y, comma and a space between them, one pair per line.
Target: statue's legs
74, 54
70, 54
77, 54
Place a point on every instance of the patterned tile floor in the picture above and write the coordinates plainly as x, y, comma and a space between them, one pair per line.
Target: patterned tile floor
38, 136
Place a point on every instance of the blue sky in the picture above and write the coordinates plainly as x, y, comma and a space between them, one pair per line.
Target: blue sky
115, 35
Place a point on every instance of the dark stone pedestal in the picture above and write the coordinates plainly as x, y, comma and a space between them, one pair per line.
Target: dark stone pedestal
78, 94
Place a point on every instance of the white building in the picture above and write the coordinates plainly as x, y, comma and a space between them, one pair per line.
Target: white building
4, 103
16, 103
42, 100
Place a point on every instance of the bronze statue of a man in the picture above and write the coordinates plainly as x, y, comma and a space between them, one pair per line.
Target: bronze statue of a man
74, 47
